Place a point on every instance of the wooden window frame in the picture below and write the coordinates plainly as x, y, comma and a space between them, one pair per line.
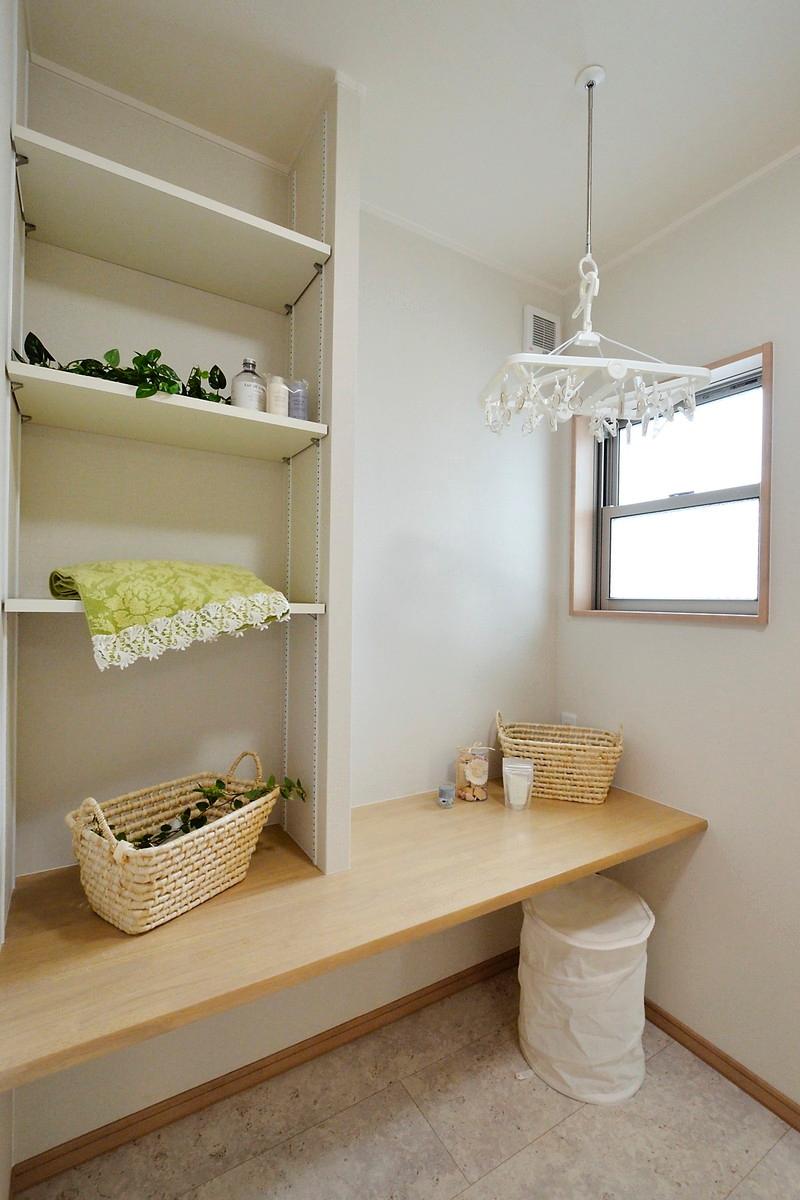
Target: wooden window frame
583, 531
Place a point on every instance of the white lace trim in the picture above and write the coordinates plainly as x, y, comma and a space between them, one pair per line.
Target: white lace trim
205, 624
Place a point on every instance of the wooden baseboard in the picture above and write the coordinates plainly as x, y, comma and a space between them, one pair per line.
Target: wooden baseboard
146, 1120
785, 1108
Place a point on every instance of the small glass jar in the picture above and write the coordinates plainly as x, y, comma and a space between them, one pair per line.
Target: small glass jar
248, 389
447, 795
472, 773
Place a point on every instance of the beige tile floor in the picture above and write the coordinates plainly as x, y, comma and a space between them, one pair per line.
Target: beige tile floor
429, 1108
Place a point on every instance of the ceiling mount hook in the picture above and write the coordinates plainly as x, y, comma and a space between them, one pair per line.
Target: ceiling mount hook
590, 75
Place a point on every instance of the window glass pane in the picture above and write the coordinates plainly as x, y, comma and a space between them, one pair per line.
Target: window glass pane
707, 552
719, 448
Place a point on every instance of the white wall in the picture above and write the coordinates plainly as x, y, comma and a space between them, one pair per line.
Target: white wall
123, 132
711, 713
453, 602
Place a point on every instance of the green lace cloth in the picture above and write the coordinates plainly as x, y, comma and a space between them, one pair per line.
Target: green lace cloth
139, 609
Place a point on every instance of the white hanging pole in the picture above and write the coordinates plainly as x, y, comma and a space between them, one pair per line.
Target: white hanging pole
589, 273
590, 86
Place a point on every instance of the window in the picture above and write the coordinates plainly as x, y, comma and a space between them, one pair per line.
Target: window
680, 519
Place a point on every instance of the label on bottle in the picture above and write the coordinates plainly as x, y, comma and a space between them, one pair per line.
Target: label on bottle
249, 393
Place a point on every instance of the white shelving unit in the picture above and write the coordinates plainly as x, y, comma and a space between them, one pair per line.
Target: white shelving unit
106, 210
68, 401
94, 471
46, 604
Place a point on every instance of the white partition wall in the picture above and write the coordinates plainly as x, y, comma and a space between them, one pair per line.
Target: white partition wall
323, 349
12, 99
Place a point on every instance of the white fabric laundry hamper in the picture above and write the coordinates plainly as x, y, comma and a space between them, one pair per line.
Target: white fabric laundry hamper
583, 957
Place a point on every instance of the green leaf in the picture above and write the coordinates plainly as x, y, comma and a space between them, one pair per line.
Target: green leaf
166, 829
86, 366
153, 356
146, 389
291, 788
37, 352
198, 822
238, 803
216, 378
193, 384
112, 357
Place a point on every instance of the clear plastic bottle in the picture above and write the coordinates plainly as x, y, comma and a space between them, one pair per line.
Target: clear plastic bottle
298, 399
277, 396
248, 389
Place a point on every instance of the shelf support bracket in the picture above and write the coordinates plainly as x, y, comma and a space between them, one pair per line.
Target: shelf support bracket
15, 387
20, 160
314, 441
318, 268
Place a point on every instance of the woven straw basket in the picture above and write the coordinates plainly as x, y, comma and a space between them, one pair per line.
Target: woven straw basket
570, 763
138, 889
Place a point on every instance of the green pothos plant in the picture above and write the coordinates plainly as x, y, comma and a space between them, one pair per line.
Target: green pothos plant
147, 373
219, 797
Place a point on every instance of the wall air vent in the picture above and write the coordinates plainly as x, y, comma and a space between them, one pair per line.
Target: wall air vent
541, 331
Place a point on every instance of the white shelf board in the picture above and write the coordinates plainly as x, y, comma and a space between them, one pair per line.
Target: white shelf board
103, 209
97, 406
46, 604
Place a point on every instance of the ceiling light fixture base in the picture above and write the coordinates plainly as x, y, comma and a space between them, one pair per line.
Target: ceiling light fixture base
594, 75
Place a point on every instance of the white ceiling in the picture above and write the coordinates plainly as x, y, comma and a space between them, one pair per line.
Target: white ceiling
472, 127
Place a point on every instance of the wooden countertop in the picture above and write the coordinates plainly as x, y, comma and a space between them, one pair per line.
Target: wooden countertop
74, 987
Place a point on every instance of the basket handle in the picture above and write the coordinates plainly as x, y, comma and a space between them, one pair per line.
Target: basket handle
88, 812
245, 754
499, 721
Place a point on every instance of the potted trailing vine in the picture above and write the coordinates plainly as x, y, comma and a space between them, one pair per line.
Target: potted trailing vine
147, 373
218, 797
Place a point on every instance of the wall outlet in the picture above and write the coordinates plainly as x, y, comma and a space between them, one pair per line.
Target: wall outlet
568, 718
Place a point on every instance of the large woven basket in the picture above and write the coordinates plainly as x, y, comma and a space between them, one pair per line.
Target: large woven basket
138, 889
570, 763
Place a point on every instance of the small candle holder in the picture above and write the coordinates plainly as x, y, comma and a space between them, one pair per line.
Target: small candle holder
447, 795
